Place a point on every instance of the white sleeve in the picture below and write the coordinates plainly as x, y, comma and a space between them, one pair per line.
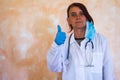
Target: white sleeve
54, 58
108, 73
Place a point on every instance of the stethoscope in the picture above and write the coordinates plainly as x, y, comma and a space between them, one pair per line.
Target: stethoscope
89, 62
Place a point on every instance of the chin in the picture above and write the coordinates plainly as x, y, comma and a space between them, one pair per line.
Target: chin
81, 27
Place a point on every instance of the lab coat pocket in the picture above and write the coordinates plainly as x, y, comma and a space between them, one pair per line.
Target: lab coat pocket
97, 62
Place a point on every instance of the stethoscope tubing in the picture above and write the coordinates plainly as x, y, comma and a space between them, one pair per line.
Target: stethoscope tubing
68, 52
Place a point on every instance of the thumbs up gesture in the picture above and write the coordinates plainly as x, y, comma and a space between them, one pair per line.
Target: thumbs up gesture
60, 36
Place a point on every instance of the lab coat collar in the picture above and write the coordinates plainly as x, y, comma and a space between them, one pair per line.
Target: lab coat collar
72, 40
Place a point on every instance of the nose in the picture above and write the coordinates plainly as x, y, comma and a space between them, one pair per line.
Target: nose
78, 17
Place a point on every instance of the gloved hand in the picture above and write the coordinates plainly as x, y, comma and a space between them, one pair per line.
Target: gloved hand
90, 30
60, 36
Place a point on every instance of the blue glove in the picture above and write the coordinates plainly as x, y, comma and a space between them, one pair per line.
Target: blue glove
90, 30
60, 36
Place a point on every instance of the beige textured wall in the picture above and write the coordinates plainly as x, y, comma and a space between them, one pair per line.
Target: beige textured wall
28, 27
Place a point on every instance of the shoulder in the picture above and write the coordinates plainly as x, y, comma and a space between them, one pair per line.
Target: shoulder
100, 42
100, 37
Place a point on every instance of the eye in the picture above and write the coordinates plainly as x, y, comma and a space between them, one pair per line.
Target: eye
73, 14
81, 13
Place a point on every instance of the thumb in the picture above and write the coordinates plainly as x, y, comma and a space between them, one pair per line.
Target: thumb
59, 28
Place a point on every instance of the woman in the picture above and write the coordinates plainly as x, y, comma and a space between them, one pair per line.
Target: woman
85, 54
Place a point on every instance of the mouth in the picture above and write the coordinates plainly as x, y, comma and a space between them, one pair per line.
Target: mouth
78, 21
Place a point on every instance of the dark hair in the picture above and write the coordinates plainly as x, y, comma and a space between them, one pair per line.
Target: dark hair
83, 8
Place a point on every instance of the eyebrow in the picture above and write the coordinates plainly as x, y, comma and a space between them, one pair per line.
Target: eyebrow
75, 12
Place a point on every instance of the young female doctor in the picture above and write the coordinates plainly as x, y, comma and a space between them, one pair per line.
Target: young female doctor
84, 54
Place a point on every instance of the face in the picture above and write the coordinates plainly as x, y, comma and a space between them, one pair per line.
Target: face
76, 18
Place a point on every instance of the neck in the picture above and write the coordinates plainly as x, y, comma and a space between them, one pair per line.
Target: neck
79, 33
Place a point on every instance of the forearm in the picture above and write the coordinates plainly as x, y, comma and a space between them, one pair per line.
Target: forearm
108, 64
54, 58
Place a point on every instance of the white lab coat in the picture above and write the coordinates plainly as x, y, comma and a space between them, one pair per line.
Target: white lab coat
74, 67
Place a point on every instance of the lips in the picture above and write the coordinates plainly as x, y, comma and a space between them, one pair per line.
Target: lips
78, 22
